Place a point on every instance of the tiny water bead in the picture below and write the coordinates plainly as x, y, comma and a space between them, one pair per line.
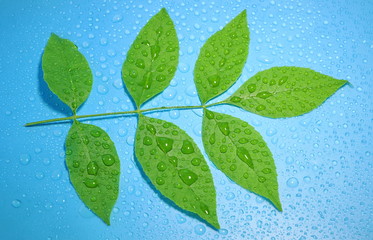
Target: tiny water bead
25, 159
224, 128
292, 182
90, 183
16, 203
92, 168
165, 144
187, 176
187, 147
199, 229
244, 155
108, 159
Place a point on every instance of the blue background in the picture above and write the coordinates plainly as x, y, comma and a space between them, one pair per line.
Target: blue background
323, 158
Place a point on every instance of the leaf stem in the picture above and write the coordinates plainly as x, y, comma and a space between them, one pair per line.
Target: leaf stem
121, 113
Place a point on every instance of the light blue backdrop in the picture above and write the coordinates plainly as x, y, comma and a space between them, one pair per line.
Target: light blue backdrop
324, 158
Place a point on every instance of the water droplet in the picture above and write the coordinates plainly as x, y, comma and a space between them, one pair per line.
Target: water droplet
212, 139
230, 196
260, 107
187, 147
151, 129
147, 141
236, 99
155, 51
214, 80
223, 148
283, 80
262, 179
95, 133
205, 209
92, 168
244, 155
187, 176
264, 94
209, 114
251, 88
90, 183
222, 62
165, 144
173, 160
76, 164
199, 229
233, 167
108, 159
196, 161
16, 203
266, 170
24, 159
160, 181
223, 231
140, 63
292, 182
162, 166
224, 128
243, 140
117, 18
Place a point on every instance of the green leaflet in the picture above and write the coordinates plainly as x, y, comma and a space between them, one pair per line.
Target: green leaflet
94, 168
152, 59
66, 72
222, 58
239, 151
176, 167
285, 92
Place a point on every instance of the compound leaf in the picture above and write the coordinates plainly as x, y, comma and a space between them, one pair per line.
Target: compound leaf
285, 92
239, 151
176, 167
222, 58
94, 168
66, 71
152, 59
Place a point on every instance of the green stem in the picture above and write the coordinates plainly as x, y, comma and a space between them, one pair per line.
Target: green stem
121, 113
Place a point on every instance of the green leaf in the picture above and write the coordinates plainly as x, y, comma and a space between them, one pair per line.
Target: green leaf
239, 151
176, 167
152, 59
222, 58
94, 168
285, 92
66, 71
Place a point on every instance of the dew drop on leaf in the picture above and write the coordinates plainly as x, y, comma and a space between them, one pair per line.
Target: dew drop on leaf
108, 159
147, 141
92, 168
214, 80
205, 209
90, 183
165, 144
187, 147
260, 107
212, 139
264, 94
161, 166
224, 128
196, 161
187, 176
173, 160
95, 133
151, 129
160, 181
261, 179
251, 88
244, 155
